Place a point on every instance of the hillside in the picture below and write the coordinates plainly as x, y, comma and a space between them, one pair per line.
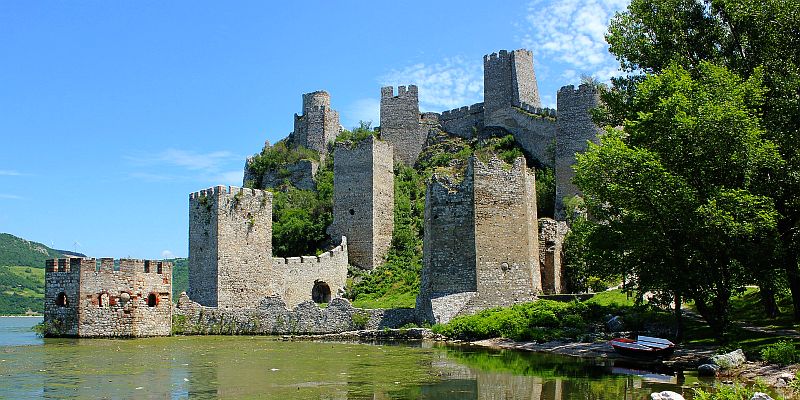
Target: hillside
24, 253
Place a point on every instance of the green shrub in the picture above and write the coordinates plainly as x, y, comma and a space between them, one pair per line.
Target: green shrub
783, 353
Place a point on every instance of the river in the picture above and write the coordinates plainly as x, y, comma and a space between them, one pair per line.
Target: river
269, 368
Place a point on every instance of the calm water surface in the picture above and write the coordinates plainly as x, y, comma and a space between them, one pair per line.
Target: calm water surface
266, 367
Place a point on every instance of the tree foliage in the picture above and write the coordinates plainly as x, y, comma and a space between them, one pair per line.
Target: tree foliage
676, 194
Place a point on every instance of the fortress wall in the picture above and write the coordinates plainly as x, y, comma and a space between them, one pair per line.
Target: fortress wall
551, 242
301, 174
508, 80
534, 134
574, 130
301, 274
463, 122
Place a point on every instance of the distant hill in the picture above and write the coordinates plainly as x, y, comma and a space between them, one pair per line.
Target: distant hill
24, 253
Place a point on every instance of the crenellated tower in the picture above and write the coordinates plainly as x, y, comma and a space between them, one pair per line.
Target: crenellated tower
401, 123
508, 80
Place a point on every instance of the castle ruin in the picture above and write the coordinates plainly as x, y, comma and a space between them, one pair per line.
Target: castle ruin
318, 125
481, 245
84, 298
230, 255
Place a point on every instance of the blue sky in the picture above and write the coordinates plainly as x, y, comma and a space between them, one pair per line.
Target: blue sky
111, 113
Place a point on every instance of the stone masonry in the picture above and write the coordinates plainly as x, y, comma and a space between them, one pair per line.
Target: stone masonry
363, 200
551, 248
575, 130
84, 298
401, 123
319, 124
508, 80
230, 255
481, 246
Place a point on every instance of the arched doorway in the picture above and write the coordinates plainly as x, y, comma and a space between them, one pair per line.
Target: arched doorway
61, 300
321, 293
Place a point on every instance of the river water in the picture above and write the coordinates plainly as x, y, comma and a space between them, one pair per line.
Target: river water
266, 367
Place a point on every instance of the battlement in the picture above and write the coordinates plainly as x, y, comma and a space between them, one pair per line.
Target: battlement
583, 89
229, 190
542, 111
104, 265
462, 112
324, 258
498, 167
505, 55
402, 92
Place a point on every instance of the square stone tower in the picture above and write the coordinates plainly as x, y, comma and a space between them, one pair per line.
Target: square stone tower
574, 130
401, 123
508, 80
481, 246
230, 247
319, 124
363, 200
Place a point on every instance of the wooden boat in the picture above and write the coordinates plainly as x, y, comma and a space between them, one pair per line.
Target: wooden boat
643, 347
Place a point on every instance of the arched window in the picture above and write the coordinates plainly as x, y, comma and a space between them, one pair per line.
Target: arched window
152, 300
321, 293
61, 300
102, 300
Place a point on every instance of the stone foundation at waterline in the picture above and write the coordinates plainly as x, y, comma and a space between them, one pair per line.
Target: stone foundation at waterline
272, 317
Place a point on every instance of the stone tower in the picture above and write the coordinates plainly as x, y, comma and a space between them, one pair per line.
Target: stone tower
230, 246
318, 125
400, 123
508, 80
481, 245
574, 129
363, 200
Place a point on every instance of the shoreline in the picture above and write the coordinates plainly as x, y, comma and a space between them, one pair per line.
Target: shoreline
21, 316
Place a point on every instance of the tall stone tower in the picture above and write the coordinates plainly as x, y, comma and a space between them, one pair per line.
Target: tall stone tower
508, 80
400, 123
230, 246
318, 125
363, 200
574, 129
481, 245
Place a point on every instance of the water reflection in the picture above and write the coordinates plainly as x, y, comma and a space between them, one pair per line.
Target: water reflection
250, 367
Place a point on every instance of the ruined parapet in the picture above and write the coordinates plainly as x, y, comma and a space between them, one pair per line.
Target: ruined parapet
481, 241
301, 174
401, 123
87, 298
230, 246
508, 80
363, 200
551, 246
319, 278
463, 122
574, 130
318, 125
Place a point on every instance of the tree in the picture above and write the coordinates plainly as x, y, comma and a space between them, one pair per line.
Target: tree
749, 38
673, 192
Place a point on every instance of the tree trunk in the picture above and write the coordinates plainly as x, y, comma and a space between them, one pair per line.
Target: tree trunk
678, 317
793, 276
768, 301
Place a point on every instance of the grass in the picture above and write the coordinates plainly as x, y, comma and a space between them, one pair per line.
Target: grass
387, 300
616, 297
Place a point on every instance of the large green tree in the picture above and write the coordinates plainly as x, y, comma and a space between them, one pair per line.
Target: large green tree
674, 193
748, 37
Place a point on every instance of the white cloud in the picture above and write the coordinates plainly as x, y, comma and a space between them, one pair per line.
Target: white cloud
442, 86
10, 196
216, 167
572, 32
10, 172
167, 254
367, 109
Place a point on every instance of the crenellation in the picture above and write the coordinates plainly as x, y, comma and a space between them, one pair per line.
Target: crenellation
318, 125
401, 123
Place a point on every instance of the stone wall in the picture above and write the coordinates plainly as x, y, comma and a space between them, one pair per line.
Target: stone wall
463, 122
135, 300
363, 200
508, 80
272, 316
302, 277
574, 130
318, 125
230, 246
401, 123
300, 174
551, 245
481, 241
535, 134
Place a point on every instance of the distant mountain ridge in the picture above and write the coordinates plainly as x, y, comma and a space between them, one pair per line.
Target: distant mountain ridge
15, 251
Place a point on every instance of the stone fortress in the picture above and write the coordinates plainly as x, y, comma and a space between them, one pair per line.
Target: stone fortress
484, 245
